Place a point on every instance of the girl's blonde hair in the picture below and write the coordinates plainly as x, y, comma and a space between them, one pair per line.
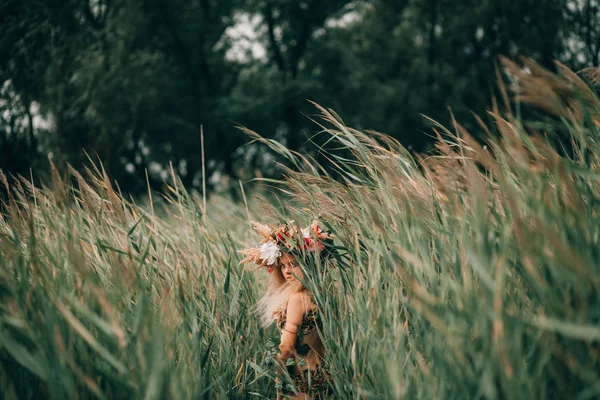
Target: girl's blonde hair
277, 293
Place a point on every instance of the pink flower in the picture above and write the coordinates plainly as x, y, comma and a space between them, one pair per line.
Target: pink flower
313, 245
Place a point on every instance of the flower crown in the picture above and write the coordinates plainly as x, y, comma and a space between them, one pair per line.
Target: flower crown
287, 238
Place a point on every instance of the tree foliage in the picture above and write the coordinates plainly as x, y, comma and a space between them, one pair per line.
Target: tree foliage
131, 82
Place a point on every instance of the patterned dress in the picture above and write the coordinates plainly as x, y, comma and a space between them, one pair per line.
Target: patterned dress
308, 374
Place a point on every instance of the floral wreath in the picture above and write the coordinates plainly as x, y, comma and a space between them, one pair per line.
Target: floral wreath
286, 237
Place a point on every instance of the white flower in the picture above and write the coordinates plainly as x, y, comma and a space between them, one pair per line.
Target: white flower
269, 252
305, 233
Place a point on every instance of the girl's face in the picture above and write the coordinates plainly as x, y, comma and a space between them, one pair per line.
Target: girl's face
290, 269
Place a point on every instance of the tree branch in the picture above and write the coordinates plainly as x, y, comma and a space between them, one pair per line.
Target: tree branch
272, 40
30, 126
179, 46
97, 23
107, 5
302, 41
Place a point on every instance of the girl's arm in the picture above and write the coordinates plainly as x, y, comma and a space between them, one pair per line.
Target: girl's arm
293, 320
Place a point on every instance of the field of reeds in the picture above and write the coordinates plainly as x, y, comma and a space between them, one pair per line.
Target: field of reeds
472, 272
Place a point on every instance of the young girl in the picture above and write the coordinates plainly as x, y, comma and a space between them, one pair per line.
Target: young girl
291, 305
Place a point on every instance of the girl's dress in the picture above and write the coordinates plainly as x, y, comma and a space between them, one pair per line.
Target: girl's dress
308, 373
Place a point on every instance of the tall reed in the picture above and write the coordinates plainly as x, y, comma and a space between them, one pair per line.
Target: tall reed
470, 273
